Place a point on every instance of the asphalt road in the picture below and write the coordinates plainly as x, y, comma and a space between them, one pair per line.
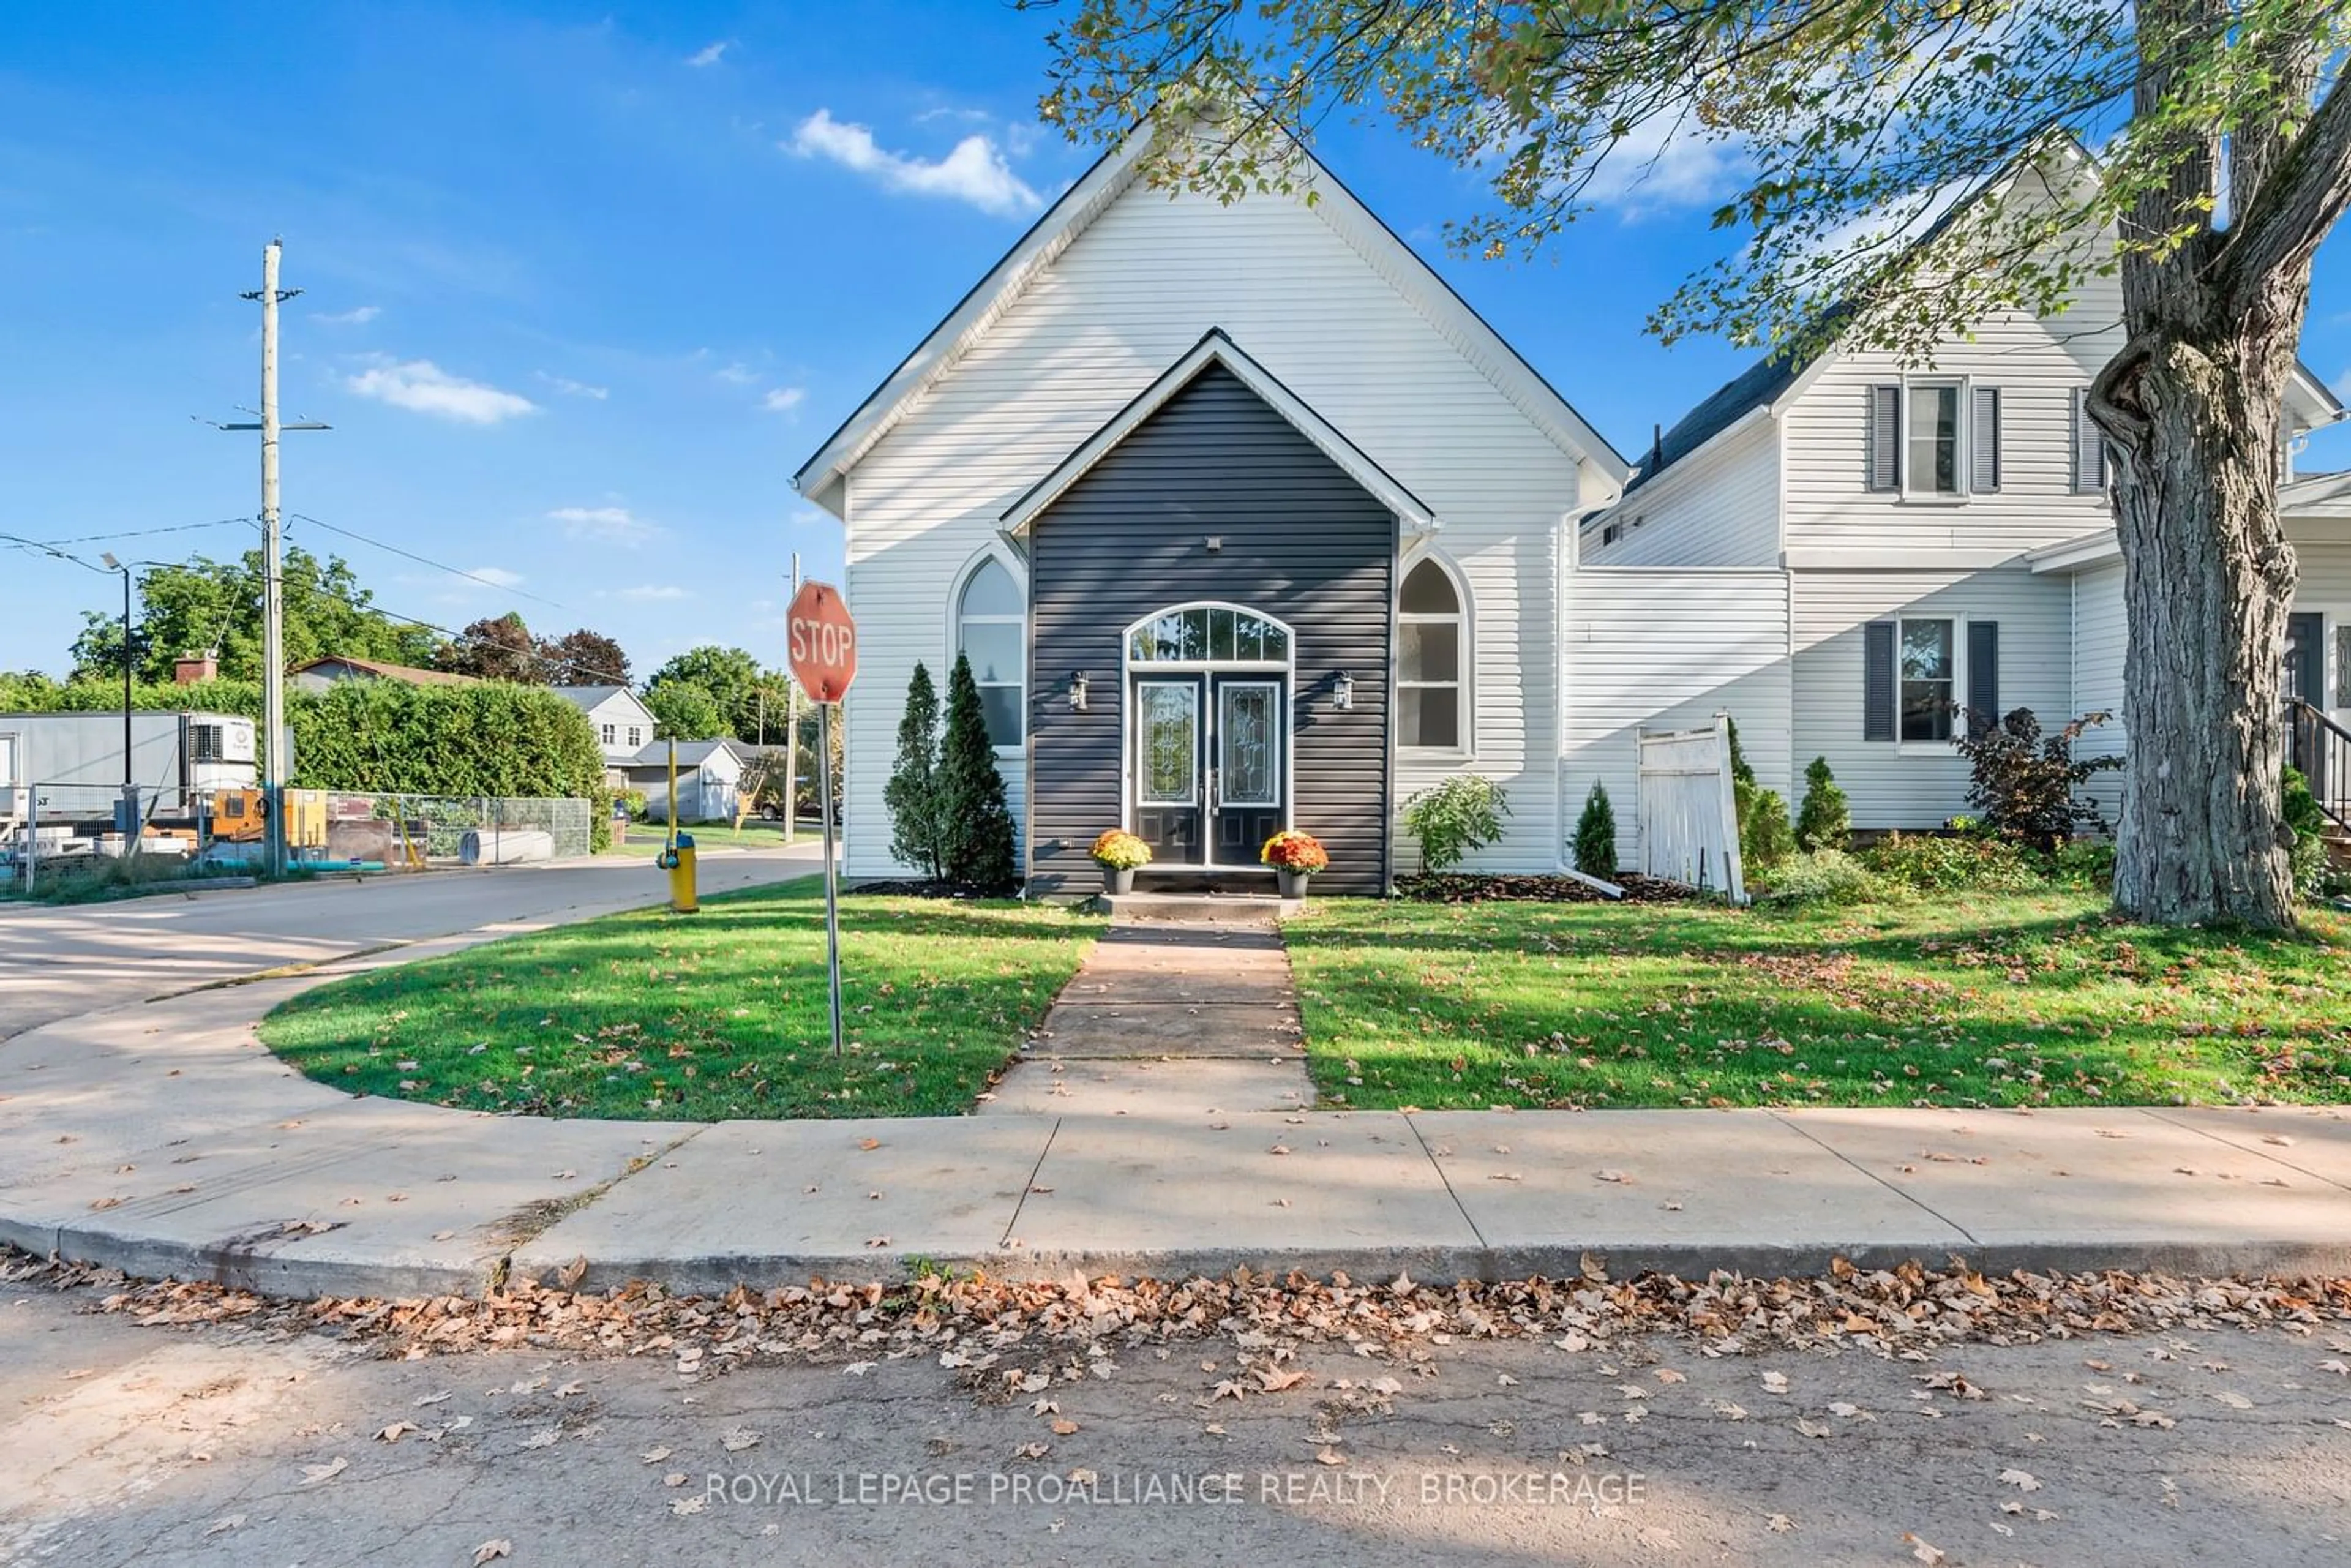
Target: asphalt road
59, 962
199, 1446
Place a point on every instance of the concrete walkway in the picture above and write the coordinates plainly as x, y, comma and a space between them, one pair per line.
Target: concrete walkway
1169, 1016
162, 1138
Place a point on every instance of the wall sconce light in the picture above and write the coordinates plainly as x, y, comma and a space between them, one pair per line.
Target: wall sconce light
1216, 543
1343, 691
1077, 691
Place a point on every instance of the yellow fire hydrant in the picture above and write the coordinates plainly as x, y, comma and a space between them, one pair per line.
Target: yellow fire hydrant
678, 861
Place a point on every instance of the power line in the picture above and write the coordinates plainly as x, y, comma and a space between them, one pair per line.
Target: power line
43, 546
423, 560
145, 533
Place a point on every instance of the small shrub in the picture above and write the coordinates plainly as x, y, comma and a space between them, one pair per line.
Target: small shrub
1942, 864
634, 803
2087, 863
975, 820
912, 793
2306, 858
1461, 814
1765, 839
2023, 782
1596, 834
1824, 822
1820, 876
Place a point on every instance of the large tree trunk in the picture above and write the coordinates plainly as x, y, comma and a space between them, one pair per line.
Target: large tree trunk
2208, 579
2194, 406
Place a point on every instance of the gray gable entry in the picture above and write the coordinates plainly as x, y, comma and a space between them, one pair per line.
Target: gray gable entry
1257, 572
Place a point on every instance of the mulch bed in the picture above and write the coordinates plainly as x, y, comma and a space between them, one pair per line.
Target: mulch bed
1466, 888
912, 887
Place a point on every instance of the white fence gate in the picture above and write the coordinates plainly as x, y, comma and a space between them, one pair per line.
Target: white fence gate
1688, 810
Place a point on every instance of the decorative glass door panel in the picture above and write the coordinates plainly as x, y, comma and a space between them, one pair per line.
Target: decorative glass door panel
1168, 783
1245, 777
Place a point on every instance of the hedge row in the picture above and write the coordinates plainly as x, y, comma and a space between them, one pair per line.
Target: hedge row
388, 736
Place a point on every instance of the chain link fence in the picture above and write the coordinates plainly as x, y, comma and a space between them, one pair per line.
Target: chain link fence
60, 826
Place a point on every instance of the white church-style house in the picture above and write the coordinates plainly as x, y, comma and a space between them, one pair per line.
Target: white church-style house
1247, 521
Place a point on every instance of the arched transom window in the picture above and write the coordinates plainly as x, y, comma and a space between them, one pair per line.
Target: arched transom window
1430, 710
989, 620
1208, 635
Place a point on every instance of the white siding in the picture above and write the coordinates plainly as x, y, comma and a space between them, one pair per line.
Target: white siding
1667, 649
1893, 785
2036, 365
1125, 300
2098, 646
1713, 509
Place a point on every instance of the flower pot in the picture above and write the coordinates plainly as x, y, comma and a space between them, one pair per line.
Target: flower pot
1118, 879
1293, 882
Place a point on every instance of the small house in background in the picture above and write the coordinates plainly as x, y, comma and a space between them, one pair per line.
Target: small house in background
709, 779
623, 725
318, 674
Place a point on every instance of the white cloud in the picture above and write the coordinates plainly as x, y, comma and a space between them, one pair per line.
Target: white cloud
423, 387
974, 172
710, 54
359, 316
741, 374
653, 590
607, 524
1665, 162
783, 399
497, 576
570, 388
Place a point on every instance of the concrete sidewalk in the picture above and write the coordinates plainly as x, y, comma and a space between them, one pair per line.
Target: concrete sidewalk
162, 1138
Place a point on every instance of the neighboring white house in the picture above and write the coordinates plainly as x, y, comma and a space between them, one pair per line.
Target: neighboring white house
622, 723
1946, 538
1246, 521
709, 779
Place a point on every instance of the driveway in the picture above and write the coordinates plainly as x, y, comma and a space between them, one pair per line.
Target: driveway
56, 963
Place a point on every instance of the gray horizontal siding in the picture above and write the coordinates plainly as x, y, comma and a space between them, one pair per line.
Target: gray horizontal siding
1301, 542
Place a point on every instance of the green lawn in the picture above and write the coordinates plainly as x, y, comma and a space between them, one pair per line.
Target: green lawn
648, 838
701, 1017
1978, 1000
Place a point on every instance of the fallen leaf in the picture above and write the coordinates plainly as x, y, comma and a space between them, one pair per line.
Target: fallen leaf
740, 1439
313, 1474
1329, 1456
2022, 1481
1063, 1427
868, 1143
489, 1550
546, 1437
674, 1478
655, 1456
1616, 1176
1921, 1550
226, 1522
1779, 1524
685, 1505
393, 1433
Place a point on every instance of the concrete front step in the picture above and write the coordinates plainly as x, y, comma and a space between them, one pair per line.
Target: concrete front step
1229, 908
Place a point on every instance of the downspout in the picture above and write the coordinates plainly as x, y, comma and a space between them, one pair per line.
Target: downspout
1567, 560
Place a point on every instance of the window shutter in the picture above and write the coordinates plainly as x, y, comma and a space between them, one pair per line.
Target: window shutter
1878, 681
1983, 674
1885, 428
1985, 443
2089, 445
2342, 670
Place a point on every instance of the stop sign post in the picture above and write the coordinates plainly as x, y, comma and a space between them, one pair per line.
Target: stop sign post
823, 647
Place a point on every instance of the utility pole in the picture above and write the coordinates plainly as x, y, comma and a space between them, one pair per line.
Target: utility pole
792, 738
272, 583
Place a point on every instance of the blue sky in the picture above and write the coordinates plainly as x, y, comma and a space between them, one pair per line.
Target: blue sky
583, 286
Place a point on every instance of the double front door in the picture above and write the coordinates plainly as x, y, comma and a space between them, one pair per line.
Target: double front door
1208, 760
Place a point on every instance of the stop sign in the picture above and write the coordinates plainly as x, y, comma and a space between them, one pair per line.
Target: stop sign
823, 642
